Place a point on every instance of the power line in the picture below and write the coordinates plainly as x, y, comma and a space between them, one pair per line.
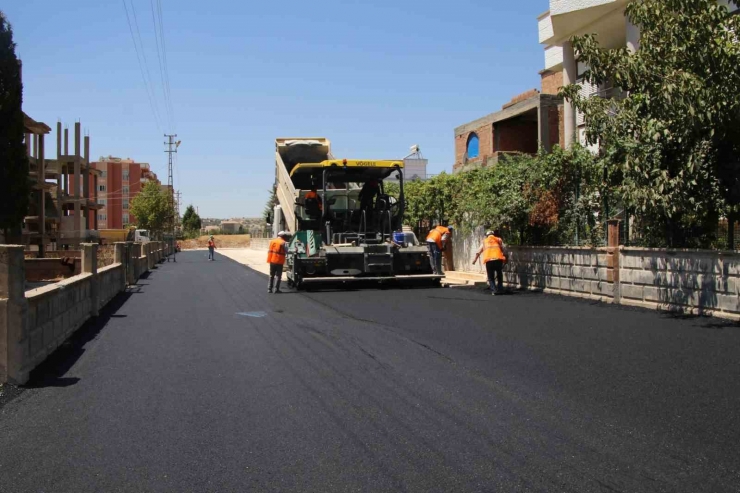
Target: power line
143, 55
141, 69
166, 64
157, 35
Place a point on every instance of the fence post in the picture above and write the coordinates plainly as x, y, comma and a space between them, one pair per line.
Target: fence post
120, 258
13, 316
90, 266
613, 253
130, 266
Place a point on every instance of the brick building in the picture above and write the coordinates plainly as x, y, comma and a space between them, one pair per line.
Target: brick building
568, 18
530, 120
120, 181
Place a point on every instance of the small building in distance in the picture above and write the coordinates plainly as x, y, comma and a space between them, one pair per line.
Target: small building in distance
230, 226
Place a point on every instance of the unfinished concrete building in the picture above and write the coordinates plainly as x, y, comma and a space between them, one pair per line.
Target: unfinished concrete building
63, 208
77, 195
41, 224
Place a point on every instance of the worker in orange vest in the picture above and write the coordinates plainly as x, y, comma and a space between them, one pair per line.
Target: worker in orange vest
314, 196
437, 241
276, 258
211, 248
494, 260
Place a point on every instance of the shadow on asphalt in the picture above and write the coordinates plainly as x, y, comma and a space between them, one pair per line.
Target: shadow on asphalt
51, 372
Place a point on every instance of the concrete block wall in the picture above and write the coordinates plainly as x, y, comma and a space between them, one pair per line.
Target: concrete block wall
54, 313
36, 322
700, 282
691, 281
581, 272
46, 269
260, 244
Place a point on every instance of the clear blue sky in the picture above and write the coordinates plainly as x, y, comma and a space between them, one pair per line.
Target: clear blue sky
374, 77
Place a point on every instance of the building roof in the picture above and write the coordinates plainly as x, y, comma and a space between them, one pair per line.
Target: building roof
34, 127
510, 110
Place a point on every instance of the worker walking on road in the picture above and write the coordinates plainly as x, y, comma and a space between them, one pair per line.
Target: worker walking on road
276, 258
437, 241
494, 260
211, 248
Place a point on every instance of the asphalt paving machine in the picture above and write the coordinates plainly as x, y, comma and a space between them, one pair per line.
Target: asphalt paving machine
344, 226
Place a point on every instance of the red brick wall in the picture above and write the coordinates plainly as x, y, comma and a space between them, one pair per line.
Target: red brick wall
521, 97
551, 82
485, 145
134, 187
114, 187
517, 136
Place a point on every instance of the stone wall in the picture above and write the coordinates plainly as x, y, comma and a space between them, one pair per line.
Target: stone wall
34, 323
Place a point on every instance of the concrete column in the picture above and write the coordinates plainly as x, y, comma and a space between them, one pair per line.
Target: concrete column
137, 261
95, 199
66, 141
42, 180
77, 180
633, 36
570, 74
59, 140
13, 316
543, 135
120, 258
130, 272
613, 258
90, 266
86, 181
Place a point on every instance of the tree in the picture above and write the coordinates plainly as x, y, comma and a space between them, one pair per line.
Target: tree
191, 220
672, 143
14, 184
269, 210
153, 209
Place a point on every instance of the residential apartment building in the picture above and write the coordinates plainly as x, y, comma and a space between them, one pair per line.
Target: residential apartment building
120, 181
568, 18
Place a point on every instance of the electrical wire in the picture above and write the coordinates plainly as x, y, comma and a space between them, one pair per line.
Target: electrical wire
166, 65
157, 35
141, 69
143, 55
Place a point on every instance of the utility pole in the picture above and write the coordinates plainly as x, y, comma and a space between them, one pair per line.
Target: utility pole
171, 149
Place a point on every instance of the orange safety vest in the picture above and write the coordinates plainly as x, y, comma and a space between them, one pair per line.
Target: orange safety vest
436, 235
276, 252
314, 195
493, 249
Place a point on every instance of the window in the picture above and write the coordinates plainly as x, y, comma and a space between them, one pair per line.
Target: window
103, 174
125, 204
125, 189
472, 149
125, 174
124, 218
102, 217
101, 188
102, 202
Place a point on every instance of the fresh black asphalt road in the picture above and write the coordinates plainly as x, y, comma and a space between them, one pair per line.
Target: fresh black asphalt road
198, 380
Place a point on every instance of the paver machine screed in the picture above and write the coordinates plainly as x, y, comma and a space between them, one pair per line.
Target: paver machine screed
344, 226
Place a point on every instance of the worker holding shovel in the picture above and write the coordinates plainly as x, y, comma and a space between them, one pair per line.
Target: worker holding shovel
494, 260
